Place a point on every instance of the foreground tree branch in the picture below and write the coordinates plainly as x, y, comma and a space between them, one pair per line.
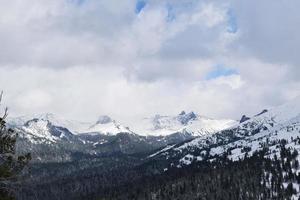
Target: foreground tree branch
11, 164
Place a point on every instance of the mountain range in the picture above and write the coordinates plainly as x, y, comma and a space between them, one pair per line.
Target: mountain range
98, 157
158, 125
266, 129
106, 135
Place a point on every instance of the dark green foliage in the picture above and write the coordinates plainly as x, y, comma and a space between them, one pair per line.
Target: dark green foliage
10, 163
251, 178
255, 177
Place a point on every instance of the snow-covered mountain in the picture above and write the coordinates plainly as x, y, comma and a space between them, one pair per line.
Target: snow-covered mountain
266, 130
194, 124
104, 125
64, 149
43, 131
186, 123
48, 131
72, 125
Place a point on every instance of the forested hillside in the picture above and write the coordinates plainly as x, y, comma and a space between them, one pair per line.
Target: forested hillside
259, 176
255, 177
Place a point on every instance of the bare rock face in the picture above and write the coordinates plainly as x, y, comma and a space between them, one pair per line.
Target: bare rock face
244, 118
262, 112
184, 118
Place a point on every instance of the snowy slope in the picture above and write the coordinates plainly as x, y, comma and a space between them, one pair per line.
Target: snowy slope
191, 123
105, 125
73, 125
108, 127
43, 131
267, 130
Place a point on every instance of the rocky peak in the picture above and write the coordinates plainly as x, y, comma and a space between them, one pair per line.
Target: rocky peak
182, 113
244, 118
104, 119
262, 112
185, 118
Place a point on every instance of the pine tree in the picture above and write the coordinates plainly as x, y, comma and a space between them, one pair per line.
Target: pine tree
10, 163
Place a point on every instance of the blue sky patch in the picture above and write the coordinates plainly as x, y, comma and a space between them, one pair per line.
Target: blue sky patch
139, 6
232, 23
220, 70
171, 13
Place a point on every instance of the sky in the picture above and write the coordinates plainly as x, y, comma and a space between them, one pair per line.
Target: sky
84, 58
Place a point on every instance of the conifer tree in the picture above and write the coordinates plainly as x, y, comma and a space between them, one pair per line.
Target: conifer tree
10, 163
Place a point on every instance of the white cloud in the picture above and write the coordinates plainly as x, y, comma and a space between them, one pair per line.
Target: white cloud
98, 57
233, 81
208, 15
33, 99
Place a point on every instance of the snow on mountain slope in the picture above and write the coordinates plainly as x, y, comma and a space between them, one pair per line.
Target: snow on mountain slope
282, 113
267, 130
158, 125
191, 123
43, 131
105, 125
73, 125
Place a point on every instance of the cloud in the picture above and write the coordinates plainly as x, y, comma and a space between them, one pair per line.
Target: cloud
61, 34
84, 58
35, 99
269, 31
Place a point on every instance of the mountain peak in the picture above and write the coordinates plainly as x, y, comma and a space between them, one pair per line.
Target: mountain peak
104, 119
36, 120
182, 113
185, 118
244, 118
262, 112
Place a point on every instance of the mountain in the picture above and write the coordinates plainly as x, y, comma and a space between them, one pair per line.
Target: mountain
52, 143
185, 123
47, 141
47, 133
105, 125
244, 118
73, 126
64, 138
191, 123
43, 131
186, 137
266, 130
256, 158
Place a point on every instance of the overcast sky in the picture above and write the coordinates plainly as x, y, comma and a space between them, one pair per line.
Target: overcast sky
84, 58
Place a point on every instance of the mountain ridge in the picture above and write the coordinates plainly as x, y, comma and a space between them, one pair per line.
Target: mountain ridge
159, 125
265, 130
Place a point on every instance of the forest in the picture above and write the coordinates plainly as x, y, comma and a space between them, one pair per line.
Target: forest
260, 176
